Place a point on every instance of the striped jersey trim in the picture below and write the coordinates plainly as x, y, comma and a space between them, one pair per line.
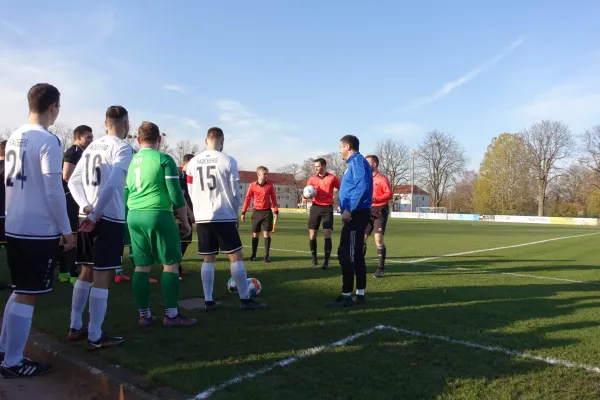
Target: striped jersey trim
171, 177
32, 237
206, 221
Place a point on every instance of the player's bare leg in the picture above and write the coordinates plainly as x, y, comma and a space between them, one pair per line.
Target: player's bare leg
255, 238
312, 235
98, 304
328, 246
81, 293
381, 253
267, 236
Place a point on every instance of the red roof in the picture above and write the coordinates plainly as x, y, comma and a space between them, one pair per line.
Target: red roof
405, 189
273, 177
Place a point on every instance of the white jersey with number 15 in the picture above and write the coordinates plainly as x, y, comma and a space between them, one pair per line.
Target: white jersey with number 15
213, 184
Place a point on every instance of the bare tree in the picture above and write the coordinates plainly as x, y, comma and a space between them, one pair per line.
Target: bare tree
441, 159
64, 132
591, 148
293, 169
394, 161
547, 143
6, 133
184, 147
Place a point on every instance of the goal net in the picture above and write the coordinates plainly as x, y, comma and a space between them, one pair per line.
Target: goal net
432, 212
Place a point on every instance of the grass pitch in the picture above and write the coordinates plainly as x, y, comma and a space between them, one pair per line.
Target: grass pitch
541, 299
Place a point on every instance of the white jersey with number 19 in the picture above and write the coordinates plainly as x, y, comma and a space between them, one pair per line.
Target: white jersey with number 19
31, 152
94, 169
213, 185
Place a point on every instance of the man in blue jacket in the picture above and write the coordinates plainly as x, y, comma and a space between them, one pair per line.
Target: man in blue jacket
355, 198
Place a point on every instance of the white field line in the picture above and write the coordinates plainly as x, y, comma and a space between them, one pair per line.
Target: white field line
464, 253
315, 350
309, 352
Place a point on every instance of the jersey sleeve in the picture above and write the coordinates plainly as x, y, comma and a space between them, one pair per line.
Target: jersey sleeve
274, 199
172, 180
51, 156
248, 198
234, 177
72, 156
336, 182
123, 157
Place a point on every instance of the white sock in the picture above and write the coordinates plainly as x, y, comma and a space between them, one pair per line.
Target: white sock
360, 292
172, 312
208, 280
98, 304
238, 273
4, 333
18, 327
81, 292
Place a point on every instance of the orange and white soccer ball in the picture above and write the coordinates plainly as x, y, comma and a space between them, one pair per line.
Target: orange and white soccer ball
254, 287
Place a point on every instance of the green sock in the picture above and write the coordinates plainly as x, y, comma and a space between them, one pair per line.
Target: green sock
141, 289
170, 289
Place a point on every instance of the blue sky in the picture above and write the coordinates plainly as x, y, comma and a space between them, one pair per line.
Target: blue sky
287, 79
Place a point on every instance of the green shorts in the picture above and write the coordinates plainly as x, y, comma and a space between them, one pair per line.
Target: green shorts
155, 237
126, 237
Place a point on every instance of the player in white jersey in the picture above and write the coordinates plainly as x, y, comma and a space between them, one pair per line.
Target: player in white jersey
98, 186
36, 218
213, 185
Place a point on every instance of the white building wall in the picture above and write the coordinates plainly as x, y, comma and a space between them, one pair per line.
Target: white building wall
402, 202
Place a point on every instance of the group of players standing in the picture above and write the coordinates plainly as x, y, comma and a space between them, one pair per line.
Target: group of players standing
119, 191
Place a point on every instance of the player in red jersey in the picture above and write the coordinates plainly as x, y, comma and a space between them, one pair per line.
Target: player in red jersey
380, 211
321, 210
265, 198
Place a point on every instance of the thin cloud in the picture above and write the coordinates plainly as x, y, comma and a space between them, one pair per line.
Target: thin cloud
188, 122
16, 30
450, 86
399, 129
173, 88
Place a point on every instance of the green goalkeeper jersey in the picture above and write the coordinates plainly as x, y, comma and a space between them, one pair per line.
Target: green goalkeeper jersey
153, 182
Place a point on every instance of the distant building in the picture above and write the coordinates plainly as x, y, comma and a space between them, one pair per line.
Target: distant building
285, 187
403, 200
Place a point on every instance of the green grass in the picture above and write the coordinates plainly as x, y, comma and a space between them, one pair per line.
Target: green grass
480, 303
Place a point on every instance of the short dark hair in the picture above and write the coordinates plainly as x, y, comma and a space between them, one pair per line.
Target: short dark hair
187, 158
374, 158
352, 141
81, 130
215, 133
116, 114
3, 146
41, 96
321, 161
148, 132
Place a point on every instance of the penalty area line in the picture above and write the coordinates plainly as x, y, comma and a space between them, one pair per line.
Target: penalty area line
316, 350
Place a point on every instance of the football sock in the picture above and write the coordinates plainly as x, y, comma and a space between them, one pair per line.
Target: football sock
141, 289
238, 273
4, 333
360, 292
313, 248
347, 295
18, 327
381, 256
254, 246
170, 290
208, 280
267, 246
81, 292
119, 271
328, 247
145, 313
98, 304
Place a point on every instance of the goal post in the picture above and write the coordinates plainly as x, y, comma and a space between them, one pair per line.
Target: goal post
425, 212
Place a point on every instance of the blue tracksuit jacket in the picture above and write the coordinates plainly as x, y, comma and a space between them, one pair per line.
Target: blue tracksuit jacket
356, 191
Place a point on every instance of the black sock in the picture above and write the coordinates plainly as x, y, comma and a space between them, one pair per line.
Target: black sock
381, 257
313, 248
267, 246
184, 246
365, 249
254, 246
327, 250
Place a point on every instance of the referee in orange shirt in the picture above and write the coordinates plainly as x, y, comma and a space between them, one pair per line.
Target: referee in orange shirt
265, 198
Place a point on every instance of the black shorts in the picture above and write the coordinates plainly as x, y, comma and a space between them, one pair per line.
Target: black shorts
320, 214
2, 235
31, 264
215, 237
73, 213
378, 220
102, 248
262, 221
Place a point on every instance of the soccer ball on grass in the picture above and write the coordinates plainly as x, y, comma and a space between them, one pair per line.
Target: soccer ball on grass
254, 286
